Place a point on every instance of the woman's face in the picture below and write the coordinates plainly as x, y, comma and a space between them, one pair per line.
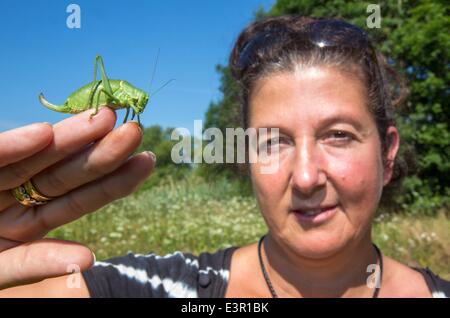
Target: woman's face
330, 171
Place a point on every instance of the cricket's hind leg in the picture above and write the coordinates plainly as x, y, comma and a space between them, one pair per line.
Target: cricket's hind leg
97, 103
104, 88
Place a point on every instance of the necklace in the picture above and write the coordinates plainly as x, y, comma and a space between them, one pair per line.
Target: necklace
275, 295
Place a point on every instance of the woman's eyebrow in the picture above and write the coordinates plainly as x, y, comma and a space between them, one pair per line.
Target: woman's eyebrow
325, 122
270, 129
341, 118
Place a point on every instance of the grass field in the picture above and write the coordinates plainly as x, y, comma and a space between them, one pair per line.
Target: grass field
194, 216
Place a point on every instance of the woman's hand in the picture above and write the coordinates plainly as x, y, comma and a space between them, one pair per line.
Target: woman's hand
82, 162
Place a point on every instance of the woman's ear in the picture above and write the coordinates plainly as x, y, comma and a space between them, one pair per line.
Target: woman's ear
393, 143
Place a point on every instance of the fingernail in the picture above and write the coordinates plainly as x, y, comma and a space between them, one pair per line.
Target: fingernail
152, 155
139, 126
95, 258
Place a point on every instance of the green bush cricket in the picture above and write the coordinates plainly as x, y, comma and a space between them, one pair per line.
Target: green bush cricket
115, 94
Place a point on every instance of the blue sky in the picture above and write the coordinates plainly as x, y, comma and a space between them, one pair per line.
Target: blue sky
40, 53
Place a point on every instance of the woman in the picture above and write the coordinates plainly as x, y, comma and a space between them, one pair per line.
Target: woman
323, 86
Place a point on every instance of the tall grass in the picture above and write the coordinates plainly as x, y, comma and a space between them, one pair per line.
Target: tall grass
421, 241
193, 216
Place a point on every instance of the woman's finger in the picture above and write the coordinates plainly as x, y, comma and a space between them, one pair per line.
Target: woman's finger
21, 224
93, 163
32, 262
7, 244
23, 142
70, 135
6, 200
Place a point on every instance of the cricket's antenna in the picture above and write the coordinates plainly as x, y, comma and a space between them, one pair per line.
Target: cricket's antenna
166, 83
153, 75
154, 70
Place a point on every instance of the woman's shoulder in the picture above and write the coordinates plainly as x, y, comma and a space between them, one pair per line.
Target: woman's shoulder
409, 281
439, 287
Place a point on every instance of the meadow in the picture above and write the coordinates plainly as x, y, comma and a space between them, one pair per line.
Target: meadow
193, 216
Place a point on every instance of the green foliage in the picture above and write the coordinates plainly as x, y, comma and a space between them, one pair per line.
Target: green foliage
187, 215
153, 135
425, 59
157, 140
414, 37
225, 114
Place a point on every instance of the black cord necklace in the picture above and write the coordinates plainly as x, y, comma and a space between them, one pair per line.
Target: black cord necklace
275, 295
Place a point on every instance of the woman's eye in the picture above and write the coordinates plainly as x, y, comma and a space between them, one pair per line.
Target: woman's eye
275, 141
272, 142
340, 136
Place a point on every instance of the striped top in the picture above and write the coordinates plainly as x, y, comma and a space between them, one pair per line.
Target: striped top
177, 275
183, 275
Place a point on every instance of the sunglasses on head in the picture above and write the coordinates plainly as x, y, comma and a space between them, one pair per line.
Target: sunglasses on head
321, 33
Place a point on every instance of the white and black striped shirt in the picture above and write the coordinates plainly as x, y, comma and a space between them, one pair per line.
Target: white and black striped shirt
183, 275
177, 275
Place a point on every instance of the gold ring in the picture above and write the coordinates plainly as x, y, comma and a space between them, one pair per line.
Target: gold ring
28, 195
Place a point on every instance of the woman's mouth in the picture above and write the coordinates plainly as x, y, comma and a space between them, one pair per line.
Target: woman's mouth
315, 215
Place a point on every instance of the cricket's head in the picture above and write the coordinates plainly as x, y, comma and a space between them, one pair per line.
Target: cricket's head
142, 100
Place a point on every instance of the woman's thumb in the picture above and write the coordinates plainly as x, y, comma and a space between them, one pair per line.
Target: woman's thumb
32, 262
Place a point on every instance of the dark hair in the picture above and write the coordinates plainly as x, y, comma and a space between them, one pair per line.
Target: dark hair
277, 44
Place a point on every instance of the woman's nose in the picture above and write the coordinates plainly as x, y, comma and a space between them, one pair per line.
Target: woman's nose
308, 174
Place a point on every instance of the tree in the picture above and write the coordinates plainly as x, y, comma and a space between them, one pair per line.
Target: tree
157, 140
224, 114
